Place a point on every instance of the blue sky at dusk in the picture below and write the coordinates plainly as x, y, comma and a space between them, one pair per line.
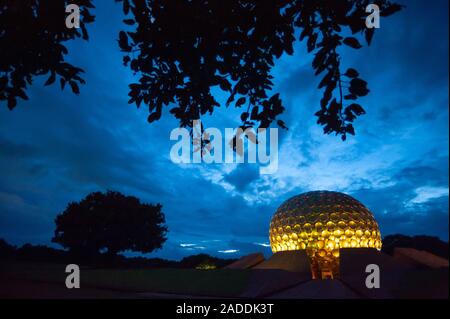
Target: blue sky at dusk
57, 147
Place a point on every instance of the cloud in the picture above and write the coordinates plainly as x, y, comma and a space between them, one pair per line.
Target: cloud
242, 176
427, 193
229, 251
187, 245
262, 244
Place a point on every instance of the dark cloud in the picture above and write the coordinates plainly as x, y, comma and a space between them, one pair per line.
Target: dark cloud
412, 205
424, 175
242, 176
14, 151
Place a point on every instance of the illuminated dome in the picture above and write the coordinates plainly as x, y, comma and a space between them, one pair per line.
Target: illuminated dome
322, 222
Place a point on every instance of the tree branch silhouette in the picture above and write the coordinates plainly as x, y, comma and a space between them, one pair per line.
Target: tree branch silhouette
184, 48
32, 37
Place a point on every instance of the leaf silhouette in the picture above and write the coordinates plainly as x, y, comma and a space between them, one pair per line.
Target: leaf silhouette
240, 101
51, 79
352, 42
351, 73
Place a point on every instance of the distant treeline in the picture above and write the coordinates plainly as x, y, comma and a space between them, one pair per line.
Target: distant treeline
430, 244
41, 253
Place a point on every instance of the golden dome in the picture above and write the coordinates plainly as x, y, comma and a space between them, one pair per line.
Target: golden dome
322, 222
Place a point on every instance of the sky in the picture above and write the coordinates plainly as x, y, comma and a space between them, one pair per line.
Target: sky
58, 147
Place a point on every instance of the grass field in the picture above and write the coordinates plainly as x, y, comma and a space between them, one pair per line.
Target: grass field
220, 282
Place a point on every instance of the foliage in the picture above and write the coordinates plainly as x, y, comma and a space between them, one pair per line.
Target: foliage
6, 250
204, 261
181, 49
110, 221
40, 253
431, 244
206, 266
32, 37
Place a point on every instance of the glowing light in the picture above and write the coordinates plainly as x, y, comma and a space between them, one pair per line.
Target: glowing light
206, 266
321, 223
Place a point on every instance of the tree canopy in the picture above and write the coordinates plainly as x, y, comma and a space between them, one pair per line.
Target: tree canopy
32, 37
110, 221
180, 49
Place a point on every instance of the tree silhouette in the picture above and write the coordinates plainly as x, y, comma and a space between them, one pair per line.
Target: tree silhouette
6, 250
110, 221
183, 48
431, 244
